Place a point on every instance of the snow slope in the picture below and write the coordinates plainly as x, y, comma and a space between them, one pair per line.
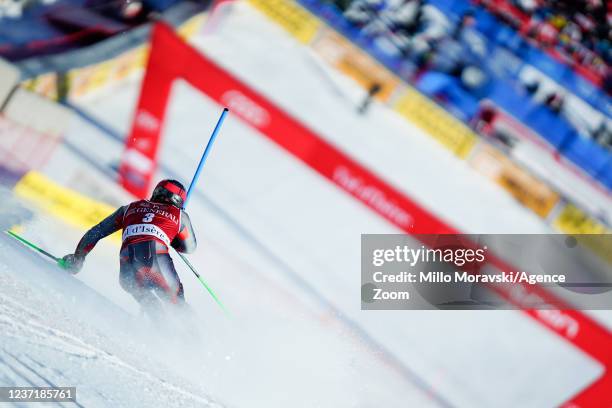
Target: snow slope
281, 247
272, 351
56, 331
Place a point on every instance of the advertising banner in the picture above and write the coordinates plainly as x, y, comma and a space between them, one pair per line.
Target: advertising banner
291, 16
82, 81
531, 192
355, 63
64, 203
438, 123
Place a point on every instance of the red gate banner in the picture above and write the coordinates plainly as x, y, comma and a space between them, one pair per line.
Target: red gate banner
171, 58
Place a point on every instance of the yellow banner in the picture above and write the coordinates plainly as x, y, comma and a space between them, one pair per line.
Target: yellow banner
63, 203
84, 80
573, 220
355, 63
291, 16
442, 126
190, 28
44, 85
93, 77
527, 189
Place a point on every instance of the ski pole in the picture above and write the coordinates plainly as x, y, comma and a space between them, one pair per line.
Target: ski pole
214, 296
195, 178
24, 241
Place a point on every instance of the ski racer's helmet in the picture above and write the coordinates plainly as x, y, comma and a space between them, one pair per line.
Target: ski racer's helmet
169, 192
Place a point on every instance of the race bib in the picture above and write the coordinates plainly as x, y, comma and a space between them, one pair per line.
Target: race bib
145, 229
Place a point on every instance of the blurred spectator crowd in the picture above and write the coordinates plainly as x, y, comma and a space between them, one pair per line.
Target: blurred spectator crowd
425, 34
575, 30
418, 31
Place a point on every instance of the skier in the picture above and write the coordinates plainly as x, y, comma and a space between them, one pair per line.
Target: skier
149, 228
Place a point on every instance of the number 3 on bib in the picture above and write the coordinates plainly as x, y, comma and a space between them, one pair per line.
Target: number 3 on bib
148, 217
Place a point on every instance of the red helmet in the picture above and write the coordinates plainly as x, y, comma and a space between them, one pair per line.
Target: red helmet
169, 192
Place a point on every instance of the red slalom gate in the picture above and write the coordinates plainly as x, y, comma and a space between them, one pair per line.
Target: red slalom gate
171, 59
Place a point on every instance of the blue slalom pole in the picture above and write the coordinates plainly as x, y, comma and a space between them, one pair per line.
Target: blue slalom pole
196, 176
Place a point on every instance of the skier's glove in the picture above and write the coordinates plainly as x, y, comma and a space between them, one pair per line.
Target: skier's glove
72, 263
